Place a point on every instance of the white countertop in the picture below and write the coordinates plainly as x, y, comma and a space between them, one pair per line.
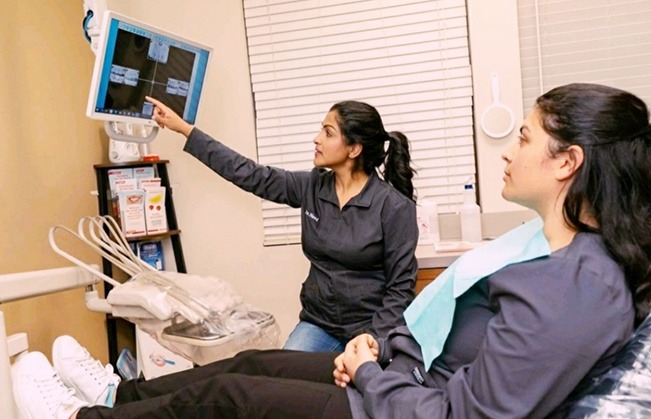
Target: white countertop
493, 225
428, 257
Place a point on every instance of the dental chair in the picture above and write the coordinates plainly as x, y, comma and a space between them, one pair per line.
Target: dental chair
624, 390
199, 318
20, 286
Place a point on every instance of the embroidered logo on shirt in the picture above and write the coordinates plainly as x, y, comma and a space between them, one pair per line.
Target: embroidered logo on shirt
312, 216
418, 376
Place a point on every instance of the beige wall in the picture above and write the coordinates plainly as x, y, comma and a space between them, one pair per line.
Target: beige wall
47, 150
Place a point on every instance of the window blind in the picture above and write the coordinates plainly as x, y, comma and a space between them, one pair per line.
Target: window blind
409, 59
595, 41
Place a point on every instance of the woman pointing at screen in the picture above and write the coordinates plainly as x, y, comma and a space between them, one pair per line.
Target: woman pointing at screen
359, 228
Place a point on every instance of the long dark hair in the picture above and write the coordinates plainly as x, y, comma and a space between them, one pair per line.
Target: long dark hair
613, 185
360, 123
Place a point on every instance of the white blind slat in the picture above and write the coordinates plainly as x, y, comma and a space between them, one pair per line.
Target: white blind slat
417, 51
592, 41
436, 87
351, 13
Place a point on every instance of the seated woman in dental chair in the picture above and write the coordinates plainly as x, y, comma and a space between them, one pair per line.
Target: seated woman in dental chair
553, 303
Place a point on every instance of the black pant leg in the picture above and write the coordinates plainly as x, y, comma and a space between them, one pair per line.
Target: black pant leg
255, 391
316, 367
231, 396
151, 408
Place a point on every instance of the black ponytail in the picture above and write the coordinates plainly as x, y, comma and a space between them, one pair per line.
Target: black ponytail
396, 167
360, 123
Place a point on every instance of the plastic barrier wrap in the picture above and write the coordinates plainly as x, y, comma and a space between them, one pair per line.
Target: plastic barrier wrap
200, 318
624, 391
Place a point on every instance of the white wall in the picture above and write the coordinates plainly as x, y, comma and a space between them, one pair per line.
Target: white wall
494, 48
222, 226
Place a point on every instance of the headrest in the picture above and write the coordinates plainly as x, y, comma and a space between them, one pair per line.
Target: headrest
625, 389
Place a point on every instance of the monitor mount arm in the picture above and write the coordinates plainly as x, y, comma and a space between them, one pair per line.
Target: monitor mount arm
126, 135
92, 23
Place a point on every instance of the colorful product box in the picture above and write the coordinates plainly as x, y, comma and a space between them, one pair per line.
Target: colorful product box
115, 174
132, 212
152, 253
143, 172
155, 215
152, 182
154, 360
121, 185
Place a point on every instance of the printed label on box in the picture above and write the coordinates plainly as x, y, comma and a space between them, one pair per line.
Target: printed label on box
132, 212
152, 253
144, 172
115, 174
154, 360
121, 185
155, 216
153, 182
125, 185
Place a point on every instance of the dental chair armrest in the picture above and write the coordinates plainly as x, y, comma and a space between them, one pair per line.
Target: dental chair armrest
142, 298
94, 303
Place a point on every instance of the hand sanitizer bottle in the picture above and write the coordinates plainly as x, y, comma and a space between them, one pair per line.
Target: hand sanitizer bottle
470, 216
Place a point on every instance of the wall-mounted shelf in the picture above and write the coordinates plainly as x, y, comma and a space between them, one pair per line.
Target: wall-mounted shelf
173, 234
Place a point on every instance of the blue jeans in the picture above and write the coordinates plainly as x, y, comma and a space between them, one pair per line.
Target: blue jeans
310, 338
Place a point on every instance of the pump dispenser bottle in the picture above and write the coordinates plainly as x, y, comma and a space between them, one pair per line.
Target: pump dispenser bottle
470, 216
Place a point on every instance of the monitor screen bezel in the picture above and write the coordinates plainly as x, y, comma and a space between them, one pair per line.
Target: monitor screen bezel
100, 67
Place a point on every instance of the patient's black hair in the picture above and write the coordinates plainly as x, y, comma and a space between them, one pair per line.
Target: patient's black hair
613, 185
360, 123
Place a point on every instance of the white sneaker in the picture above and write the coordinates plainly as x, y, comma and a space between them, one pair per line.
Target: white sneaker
38, 391
94, 383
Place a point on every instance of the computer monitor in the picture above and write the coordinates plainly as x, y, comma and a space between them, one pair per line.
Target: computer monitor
135, 60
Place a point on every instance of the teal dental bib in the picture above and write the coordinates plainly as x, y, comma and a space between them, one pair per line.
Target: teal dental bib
429, 316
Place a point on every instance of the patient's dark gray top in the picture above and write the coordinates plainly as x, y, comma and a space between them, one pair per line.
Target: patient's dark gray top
522, 341
362, 258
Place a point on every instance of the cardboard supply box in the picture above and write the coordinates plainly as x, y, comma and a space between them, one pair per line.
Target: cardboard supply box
132, 212
115, 174
154, 360
152, 253
155, 215
122, 185
144, 172
119, 179
152, 182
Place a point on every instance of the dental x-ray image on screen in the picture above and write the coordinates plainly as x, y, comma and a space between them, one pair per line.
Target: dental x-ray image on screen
135, 60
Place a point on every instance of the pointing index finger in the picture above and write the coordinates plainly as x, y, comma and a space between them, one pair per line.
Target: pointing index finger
152, 100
